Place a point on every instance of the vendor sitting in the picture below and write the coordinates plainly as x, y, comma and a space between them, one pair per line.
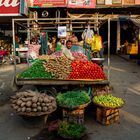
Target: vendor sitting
73, 38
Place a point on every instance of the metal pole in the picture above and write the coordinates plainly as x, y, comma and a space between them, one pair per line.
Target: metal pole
14, 48
118, 35
108, 50
28, 32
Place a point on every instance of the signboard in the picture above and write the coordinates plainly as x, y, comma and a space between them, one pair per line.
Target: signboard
137, 1
23, 7
81, 3
108, 2
116, 1
49, 3
100, 2
9, 7
62, 31
128, 2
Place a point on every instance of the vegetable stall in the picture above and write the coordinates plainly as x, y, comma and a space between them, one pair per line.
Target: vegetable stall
73, 78
57, 69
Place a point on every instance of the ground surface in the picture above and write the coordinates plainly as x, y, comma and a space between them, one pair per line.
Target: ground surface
125, 79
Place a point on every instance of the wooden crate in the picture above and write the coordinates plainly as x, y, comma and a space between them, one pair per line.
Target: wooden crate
76, 116
107, 116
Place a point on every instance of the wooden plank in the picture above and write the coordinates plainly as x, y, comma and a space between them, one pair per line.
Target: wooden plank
58, 82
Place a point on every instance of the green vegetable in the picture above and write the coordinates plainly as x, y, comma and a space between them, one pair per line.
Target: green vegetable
72, 99
108, 100
72, 130
37, 70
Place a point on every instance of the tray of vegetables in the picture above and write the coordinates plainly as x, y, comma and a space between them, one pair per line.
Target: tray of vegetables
31, 103
108, 101
37, 70
73, 99
69, 130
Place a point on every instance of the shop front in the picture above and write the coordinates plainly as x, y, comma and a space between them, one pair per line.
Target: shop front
8, 10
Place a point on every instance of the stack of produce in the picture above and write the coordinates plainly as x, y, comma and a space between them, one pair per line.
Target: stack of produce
71, 130
29, 102
72, 99
108, 101
36, 71
76, 55
46, 57
79, 56
86, 70
60, 67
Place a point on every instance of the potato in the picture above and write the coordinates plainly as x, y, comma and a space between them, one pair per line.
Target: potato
34, 99
19, 102
51, 98
38, 103
29, 93
34, 105
43, 104
45, 109
28, 104
19, 109
34, 110
40, 99
14, 101
23, 109
43, 94
18, 95
39, 108
24, 99
29, 99
23, 104
28, 109
15, 107
46, 100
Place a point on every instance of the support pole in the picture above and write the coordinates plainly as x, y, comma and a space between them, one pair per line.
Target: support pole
118, 35
108, 50
28, 32
14, 48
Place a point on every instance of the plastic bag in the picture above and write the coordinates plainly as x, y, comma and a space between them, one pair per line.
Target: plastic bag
87, 35
33, 51
96, 44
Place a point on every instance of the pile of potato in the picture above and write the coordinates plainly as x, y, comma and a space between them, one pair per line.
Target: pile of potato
33, 102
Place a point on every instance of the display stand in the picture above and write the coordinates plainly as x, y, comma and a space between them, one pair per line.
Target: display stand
28, 24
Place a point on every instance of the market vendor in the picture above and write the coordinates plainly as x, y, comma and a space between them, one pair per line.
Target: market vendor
69, 44
73, 38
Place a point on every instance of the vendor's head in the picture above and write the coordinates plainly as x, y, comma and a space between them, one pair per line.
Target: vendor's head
69, 44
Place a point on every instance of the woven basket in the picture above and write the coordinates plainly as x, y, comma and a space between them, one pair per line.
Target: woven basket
76, 107
34, 114
109, 107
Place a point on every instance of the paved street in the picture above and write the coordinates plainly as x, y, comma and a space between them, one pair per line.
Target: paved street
125, 79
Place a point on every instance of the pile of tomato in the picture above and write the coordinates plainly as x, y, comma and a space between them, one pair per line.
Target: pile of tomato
86, 70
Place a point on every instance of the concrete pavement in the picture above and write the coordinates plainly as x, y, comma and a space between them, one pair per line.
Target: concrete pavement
125, 79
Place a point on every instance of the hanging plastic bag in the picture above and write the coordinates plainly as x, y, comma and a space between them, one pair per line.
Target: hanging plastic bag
87, 35
96, 44
33, 51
